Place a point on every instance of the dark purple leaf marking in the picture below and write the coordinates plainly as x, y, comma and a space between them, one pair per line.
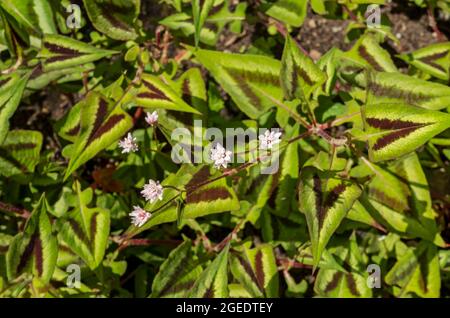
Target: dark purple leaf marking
430, 60
362, 50
76, 228
400, 129
153, 92
208, 195
209, 292
110, 123
73, 131
249, 270
351, 283
93, 229
395, 92
38, 259
332, 285
391, 202
27, 253
323, 205
259, 266
243, 77
20, 146
61, 50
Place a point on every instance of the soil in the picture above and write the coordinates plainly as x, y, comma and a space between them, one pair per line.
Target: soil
409, 24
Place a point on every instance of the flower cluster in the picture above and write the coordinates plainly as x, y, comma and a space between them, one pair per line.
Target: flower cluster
151, 118
151, 192
222, 157
269, 139
139, 216
129, 144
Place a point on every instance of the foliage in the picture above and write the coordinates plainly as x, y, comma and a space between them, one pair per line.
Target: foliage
362, 171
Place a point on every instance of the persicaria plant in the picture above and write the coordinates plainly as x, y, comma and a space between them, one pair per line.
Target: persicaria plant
185, 148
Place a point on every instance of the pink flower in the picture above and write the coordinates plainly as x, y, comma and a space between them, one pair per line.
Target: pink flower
128, 144
269, 139
151, 118
220, 156
139, 216
152, 191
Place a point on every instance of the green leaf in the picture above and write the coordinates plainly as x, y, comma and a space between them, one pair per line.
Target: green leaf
256, 270
102, 123
178, 273
416, 271
115, 18
325, 200
213, 282
11, 90
63, 52
292, 12
368, 53
35, 15
285, 201
300, 77
400, 199
34, 250
243, 77
216, 197
20, 152
349, 284
86, 230
396, 129
223, 13
399, 88
154, 93
200, 11
433, 59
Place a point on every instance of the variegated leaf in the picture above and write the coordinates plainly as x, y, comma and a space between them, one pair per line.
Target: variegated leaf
115, 18
34, 250
351, 283
325, 200
244, 78
86, 230
154, 93
178, 273
102, 122
11, 90
200, 11
416, 272
62, 52
396, 129
398, 197
213, 282
35, 15
300, 77
192, 88
256, 270
292, 12
216, 197
20, 152
369, 53
399, 88
433, 59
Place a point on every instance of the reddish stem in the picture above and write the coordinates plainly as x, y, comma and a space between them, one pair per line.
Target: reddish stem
24, 213
433, 24
148, 242
137, 114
